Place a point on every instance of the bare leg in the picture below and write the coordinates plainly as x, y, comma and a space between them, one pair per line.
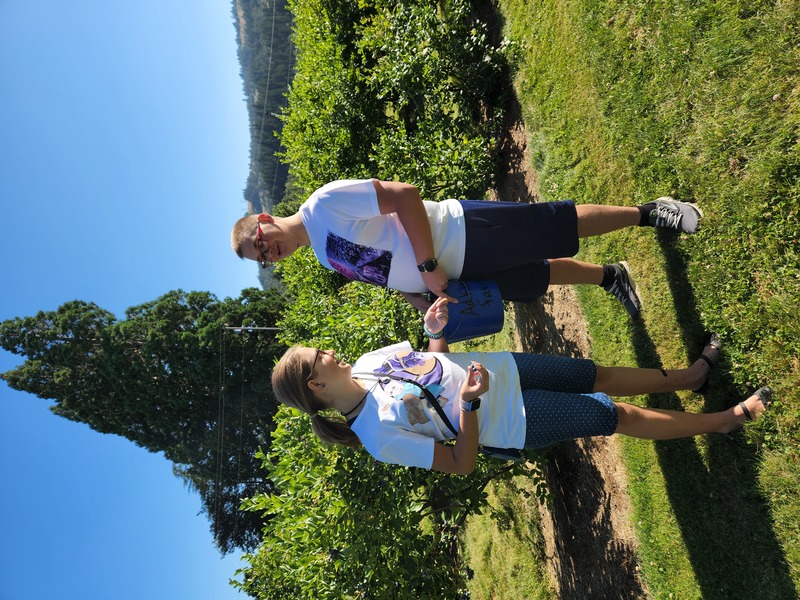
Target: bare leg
630, 381
568, 270
597, 219
659, 424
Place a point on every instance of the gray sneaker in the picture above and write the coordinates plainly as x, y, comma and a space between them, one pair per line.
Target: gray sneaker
623, 290
675, 215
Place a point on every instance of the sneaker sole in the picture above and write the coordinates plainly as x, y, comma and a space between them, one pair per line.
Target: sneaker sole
699, 218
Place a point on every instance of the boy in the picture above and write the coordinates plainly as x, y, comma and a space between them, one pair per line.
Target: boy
381, 232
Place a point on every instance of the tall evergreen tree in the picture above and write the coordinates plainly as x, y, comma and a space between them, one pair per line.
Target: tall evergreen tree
171, 378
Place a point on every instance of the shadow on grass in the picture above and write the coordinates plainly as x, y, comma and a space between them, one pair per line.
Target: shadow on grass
714, 493
512, 167
725, 524
594, 561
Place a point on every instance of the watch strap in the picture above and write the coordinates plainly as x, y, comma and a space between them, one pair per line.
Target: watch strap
470, 405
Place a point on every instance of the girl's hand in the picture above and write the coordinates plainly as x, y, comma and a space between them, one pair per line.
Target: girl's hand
477, 382
436, 315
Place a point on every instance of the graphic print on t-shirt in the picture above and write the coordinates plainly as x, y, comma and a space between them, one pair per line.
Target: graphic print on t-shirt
358, 262
415, 366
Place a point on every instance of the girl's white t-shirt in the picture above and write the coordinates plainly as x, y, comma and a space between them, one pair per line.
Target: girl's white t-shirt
349, 234
398, 425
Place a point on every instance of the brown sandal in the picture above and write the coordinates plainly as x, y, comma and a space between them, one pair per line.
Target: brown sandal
714, 341
764, 394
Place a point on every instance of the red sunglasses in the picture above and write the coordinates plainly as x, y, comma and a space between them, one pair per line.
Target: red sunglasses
262, 260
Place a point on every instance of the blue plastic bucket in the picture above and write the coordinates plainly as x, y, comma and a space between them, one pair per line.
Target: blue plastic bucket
479, 310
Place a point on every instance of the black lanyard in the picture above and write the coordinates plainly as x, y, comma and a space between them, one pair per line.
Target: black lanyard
428, 394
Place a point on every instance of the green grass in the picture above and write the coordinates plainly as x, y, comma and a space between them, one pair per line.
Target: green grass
505, 549
628, 101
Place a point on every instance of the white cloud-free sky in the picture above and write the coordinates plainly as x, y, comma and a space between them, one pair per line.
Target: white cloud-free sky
124, 155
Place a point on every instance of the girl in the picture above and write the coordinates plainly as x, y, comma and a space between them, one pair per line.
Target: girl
499, 399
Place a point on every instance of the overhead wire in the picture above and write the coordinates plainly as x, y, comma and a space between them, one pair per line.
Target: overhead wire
220, 430
241, 431
222, 387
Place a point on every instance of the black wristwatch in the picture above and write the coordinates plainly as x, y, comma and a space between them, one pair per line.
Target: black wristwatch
469, 406
428, 265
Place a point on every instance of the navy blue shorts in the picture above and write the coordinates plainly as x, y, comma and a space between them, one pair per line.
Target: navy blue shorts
510, 243
558, 399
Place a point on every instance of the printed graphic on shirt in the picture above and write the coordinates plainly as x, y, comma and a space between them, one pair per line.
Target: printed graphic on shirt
357, 262
416, 367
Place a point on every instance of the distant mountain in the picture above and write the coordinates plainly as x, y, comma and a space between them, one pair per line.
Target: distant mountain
266, 59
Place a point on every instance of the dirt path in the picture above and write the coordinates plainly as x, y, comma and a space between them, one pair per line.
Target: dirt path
590, 545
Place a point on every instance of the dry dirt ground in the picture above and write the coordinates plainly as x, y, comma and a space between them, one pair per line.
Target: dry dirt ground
590, 544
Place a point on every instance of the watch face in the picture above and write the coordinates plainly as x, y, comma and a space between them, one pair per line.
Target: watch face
430, 265
471, 405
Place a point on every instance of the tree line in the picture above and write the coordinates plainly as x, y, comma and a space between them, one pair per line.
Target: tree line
266, 57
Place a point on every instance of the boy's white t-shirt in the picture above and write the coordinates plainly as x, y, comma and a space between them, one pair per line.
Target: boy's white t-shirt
397, 424
349, 234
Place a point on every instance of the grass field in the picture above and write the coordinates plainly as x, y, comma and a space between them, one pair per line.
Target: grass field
628, 101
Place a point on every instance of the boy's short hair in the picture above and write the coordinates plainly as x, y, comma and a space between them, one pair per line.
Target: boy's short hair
242, 229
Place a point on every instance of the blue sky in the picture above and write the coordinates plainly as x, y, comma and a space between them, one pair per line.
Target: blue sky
124, 154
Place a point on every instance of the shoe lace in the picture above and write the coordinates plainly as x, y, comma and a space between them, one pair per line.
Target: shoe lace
619, 290
668, 216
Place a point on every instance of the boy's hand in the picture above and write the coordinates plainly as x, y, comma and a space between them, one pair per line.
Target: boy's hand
436, 281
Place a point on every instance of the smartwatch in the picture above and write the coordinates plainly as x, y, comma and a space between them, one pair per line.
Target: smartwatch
428, 265
469, 406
